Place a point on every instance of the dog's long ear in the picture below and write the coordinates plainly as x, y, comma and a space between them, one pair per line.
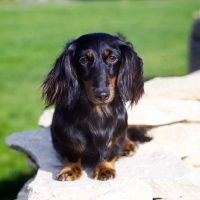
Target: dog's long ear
61, 85
130, 79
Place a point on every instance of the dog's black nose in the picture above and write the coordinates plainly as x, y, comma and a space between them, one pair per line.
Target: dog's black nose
102, 95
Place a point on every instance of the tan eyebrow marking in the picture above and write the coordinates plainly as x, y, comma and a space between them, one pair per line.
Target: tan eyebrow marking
106, 53
89, 54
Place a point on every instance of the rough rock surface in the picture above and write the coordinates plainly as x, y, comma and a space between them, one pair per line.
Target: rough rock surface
150, 173
159, 111
181, 139
193, 161
165, 168
184, 87
46, 118
23, 193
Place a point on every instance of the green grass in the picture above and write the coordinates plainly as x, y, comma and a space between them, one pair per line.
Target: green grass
33, 35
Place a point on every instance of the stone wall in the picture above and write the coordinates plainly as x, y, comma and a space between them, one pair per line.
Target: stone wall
166, 168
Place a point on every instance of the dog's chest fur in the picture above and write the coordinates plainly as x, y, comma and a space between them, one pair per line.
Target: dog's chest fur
101, 125
97, 128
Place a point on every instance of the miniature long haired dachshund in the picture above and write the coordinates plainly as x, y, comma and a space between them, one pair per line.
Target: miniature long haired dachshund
89, 84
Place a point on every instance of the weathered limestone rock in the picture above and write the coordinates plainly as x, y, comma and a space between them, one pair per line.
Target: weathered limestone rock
23, 193
184, 87
150, 168
181, 139
158, 169
159, 111
193, 161
46, 118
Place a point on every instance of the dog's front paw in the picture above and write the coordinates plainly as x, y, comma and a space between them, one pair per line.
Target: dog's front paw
69, 174
104, 173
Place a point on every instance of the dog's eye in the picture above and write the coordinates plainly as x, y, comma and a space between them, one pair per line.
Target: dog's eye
111, 59
83, 61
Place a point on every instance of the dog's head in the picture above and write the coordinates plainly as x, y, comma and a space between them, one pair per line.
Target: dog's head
99, 64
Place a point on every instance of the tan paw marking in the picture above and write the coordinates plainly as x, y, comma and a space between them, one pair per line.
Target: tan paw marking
129, 148
70, 171
105, 171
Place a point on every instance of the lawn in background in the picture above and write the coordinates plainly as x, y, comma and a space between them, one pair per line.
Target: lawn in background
33, 35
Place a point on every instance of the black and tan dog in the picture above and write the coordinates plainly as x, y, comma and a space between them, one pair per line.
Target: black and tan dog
90, 83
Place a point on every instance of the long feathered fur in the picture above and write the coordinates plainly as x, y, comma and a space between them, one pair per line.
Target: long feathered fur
89, 84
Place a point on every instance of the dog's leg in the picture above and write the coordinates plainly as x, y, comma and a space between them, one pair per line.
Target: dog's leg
129, 148
105, 170
70, 171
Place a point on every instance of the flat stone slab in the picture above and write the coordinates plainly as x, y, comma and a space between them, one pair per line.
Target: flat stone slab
183, 87
193, 161
181, 139
159, 111
150, 173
